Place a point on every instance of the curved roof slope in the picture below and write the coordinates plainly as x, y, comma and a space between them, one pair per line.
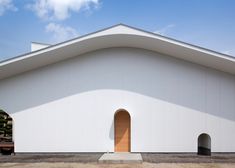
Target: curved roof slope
117, 36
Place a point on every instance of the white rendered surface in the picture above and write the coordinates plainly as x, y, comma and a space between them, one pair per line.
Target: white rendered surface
37, 46
69, 106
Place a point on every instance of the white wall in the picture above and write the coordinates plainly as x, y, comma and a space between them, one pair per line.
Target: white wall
37, 46
69, 106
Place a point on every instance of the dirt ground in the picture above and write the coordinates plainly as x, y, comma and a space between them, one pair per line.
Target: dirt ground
93, 158
188, 158
89, 160
96, 165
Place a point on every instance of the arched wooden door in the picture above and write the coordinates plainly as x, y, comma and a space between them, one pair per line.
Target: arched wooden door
122, 124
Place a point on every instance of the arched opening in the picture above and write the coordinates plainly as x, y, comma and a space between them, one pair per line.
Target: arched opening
204, 144
122, 131
6, 141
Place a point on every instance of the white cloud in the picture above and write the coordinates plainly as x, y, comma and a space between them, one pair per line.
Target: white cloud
60, 9
226, 52
163, 31
61, 33
6, 5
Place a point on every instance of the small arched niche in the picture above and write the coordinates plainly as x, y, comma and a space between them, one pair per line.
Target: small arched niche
122, 131
204, 144
6, 132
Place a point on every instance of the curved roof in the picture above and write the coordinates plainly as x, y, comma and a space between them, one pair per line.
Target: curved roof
117, 36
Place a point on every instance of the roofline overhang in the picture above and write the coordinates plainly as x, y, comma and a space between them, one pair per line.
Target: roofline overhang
117, 36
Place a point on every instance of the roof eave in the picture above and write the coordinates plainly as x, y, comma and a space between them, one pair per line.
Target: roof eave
123, 37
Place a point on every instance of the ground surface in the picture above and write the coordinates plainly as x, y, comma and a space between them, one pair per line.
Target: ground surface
96, 165
32, 158
89, 160
188, 158
93, 157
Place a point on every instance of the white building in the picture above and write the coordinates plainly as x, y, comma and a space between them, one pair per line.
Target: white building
120, 89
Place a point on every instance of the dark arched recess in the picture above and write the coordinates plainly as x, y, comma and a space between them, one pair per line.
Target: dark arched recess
6, 132
204, 144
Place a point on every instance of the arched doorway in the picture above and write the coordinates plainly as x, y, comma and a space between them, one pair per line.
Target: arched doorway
6, 141
122, 131
204, 144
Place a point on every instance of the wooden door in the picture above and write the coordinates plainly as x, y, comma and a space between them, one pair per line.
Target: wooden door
122, 131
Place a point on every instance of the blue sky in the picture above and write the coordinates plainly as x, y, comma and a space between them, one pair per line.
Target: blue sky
207, 23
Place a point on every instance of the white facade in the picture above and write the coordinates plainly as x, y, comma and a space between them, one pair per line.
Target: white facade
38, 46
69, 106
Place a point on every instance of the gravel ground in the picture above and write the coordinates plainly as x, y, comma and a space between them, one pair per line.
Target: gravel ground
93, 157
32, 158
188, 158
96, 165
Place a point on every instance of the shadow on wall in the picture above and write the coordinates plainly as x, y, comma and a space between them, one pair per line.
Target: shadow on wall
111, 131
128, 69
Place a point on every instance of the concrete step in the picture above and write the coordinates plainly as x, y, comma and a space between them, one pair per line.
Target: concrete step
121, 158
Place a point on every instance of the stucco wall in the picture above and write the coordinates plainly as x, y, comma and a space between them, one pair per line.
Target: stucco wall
69, 106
